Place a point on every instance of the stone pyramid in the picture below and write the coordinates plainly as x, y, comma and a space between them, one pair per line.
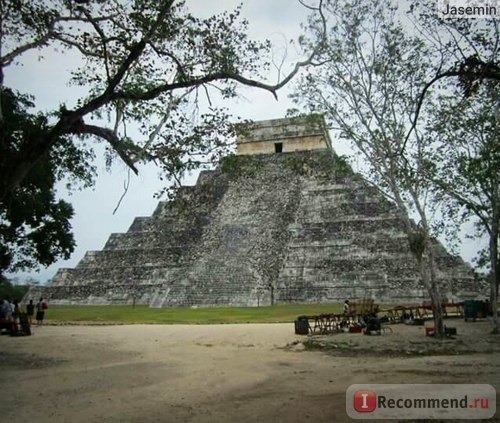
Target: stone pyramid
285, 220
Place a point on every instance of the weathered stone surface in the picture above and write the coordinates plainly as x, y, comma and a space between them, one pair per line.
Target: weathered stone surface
289, 227
283, 135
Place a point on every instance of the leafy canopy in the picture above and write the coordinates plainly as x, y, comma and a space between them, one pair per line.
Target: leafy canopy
34, 225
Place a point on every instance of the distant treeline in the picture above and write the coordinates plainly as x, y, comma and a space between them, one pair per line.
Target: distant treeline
10, 291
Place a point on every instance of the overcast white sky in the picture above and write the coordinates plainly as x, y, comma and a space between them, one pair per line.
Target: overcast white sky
278, 20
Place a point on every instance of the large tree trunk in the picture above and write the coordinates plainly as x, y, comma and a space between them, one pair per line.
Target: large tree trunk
434, 292
425, 258
13, 170
421, 248
494, 273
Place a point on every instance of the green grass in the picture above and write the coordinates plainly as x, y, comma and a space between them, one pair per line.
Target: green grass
183, 315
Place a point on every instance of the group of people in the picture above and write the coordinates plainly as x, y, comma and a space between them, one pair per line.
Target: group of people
11, 313
369, 322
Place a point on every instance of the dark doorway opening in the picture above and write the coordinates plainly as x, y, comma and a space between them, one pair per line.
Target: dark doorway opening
278, 147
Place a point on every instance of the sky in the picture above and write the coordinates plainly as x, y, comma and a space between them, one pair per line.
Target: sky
94, 221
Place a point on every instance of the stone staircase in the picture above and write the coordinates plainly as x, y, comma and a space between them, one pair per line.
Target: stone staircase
349, 242
293, 227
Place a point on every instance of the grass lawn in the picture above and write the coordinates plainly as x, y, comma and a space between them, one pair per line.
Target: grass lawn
213, 315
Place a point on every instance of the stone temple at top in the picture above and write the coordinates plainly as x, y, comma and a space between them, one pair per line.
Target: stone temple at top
285, 220
283, 136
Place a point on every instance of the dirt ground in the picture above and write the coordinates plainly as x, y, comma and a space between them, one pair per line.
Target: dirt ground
222, 373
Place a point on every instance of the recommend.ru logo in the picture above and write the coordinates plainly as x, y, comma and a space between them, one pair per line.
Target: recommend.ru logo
421, 401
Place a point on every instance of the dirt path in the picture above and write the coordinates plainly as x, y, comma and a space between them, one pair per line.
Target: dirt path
219, 373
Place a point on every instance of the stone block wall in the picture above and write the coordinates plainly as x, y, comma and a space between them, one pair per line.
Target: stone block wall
138, 263
293, 134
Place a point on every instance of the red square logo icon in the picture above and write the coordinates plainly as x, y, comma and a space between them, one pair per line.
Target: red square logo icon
365, 401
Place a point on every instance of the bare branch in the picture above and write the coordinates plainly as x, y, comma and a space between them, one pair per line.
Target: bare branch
125, 190
307, 6
119, 116
179, 65
421, 101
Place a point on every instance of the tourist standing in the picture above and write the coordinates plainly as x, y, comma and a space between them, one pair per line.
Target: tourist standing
40, 312
8, 309
4, 309
16, 318
347, 308
17, 310
30, 311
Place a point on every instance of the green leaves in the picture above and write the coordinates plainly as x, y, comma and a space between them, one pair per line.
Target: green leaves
34, 226
367, 85
467, 154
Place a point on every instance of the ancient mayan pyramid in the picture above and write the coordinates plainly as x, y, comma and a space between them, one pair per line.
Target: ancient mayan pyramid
284, 220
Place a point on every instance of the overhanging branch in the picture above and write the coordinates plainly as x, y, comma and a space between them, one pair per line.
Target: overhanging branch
421, 101
198, 81
480, 71
110, 136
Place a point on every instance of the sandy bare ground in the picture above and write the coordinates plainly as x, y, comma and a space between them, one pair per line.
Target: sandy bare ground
220, 373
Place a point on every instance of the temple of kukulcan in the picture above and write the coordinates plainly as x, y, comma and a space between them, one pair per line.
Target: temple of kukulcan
284, 220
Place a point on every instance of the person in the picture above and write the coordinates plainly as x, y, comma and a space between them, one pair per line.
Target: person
17, 309
40, 312
8, 309
373, 325
30, 311
16, 315
347, 308
3, 309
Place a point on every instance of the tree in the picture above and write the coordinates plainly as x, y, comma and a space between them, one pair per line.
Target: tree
465, 168
465, 50
145, 63
366, 82
11, 291
34, 226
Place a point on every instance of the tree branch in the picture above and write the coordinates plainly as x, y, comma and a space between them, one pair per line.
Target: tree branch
125, 190
110, 136
485, 71
421, 101
7, 59
98, 29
